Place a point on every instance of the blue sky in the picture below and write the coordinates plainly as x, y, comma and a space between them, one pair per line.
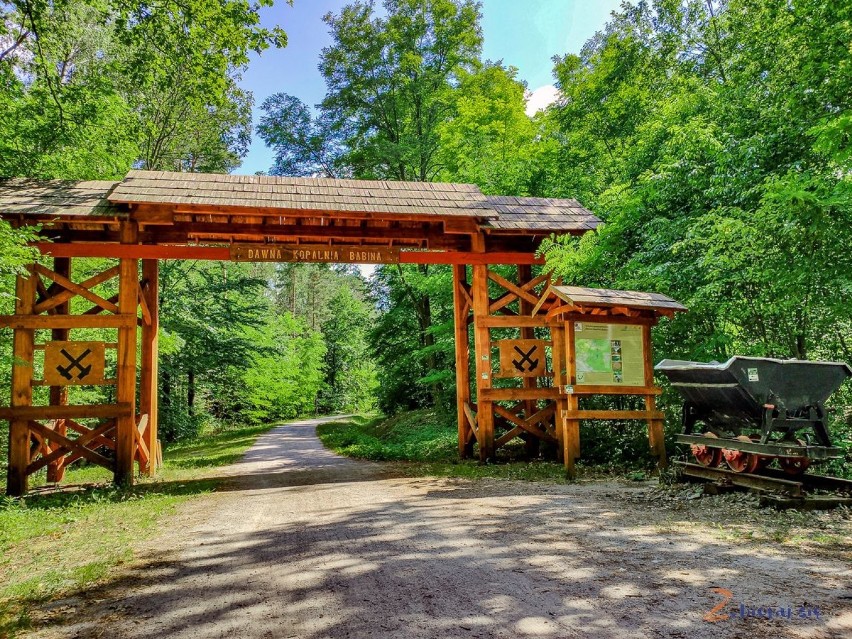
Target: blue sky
523, 33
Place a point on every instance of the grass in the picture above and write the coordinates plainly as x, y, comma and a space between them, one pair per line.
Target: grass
62, 541
423, 442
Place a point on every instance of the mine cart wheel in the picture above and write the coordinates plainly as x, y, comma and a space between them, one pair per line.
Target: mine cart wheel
794, 465
705, 455
740, 461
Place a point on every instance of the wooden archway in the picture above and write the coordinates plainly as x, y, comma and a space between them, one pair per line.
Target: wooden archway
150, 216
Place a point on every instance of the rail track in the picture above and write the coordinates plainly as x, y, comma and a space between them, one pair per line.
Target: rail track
778, 489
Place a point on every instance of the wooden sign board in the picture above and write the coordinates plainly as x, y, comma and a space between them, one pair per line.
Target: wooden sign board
314, 253
608, 354
522, 358
74, 363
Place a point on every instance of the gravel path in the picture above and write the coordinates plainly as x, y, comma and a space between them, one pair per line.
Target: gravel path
303, 543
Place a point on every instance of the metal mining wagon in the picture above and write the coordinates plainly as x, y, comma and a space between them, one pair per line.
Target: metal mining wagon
750, 411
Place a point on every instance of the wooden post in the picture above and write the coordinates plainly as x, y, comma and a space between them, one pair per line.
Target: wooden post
149, 373
59, 394
656, 436
531, 443
560, 379
571, 435
462, 338
128, 291
482, 352
22, 389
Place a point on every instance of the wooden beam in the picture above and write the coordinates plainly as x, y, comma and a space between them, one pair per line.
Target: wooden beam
125, 448
59, 394
615, 390
656, 438
532, 445
70, 445
29, 322
482, 353
186, 252
72, 411
22, 390
63, 296
570, 426
462, 355
614, 414
150, 363
58, 453
514, 321
518, 394
67, 284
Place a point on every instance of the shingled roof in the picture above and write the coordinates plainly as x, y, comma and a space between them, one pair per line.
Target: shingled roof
546, 214
314, 194
52, 198
256, 194
582, 296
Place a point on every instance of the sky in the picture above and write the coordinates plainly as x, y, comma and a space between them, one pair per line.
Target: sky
522, 33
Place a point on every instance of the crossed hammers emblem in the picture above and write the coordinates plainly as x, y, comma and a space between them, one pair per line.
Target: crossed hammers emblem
526, 359
75, 362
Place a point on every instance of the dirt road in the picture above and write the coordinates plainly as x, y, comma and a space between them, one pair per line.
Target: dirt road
306, 544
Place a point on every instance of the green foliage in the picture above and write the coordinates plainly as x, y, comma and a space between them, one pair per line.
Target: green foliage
712, 141
417, 435
90, 89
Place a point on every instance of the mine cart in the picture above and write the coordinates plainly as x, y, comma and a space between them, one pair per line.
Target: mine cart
753, 410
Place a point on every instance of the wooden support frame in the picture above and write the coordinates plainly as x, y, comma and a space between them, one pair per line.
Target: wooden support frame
50, 436
527, 411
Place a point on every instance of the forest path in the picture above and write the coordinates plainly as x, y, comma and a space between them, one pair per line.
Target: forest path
303, 543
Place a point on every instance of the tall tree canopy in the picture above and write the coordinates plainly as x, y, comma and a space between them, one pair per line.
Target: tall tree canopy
91, 88
713, 137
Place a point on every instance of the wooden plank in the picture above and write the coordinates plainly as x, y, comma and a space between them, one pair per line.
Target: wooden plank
149, 374
74, 363
125, 448
22, 393
506, 321
164, 252
66, 321
518, 394
71, 411
482, 353
67, 284
70, 445
59, 394
532, 445
514, 289
614, 414
571, 435
94, 435
522, 358
655, 424
314, 253
462, 357
560, 379
592, 389
64, 296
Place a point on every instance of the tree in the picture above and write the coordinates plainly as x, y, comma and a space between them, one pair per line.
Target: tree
92, 88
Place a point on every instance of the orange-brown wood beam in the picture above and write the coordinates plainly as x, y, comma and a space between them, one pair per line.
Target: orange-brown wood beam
22, 390
462, 344
149, 372
186, 252
59, 394
125, 442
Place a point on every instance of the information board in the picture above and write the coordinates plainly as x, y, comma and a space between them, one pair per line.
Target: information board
609, 354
